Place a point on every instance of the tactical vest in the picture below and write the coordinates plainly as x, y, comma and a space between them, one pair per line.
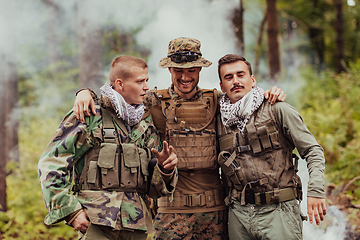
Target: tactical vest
259, 162
189, 126
113, 165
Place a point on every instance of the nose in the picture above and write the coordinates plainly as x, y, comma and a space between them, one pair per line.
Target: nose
185, 76
236, 79
146, 86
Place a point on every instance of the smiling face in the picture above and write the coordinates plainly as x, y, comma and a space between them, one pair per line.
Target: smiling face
185, 80
236, 80
134, 87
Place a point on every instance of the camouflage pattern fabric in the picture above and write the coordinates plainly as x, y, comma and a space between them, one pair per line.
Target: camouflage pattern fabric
182, 45
67, 148
208, 225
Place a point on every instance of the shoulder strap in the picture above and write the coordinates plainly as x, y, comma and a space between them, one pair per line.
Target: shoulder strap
109, 130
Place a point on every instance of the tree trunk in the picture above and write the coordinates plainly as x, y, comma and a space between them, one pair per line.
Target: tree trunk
258, 45
3, 159
89, 44
316, 34
238, 22
53, 26
272, 39
339, 37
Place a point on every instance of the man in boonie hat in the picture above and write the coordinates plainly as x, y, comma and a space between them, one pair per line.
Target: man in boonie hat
185, 116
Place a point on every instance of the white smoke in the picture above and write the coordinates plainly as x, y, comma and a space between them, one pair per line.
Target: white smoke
336, 230
204, 20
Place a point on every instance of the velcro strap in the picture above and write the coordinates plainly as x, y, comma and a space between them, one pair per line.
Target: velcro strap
198, 143
196, 154
196, 164
209, 198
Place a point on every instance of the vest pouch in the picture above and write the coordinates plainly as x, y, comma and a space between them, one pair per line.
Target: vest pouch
130, 167
145, 156
108, 166
228, 142
230, 168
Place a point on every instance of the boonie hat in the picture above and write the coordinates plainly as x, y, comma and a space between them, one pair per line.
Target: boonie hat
184, 52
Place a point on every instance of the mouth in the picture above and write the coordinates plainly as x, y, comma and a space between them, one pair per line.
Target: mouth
184, 83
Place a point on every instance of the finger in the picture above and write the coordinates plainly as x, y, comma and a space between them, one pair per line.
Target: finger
171, 150
282, 97
324, 208
316, 216
92, 106
310, 213
86, 109
81, 113
165, 146
266, 94
76, 113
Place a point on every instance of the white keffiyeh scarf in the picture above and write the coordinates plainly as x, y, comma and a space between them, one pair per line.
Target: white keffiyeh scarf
240, 112
130, 113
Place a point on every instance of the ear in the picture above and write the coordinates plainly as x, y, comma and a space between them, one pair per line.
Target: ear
253, 81
119, 86
169, 68
222, 88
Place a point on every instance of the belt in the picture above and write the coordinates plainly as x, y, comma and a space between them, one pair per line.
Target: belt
261, 198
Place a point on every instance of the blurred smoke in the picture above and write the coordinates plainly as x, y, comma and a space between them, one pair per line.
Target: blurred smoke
334, 225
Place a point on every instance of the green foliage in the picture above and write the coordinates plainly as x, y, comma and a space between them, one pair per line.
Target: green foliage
330, 108
26, 209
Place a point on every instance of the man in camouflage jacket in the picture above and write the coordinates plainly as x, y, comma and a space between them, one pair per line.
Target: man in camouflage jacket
73, 191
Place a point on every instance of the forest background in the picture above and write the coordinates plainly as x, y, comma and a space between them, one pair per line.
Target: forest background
49, 49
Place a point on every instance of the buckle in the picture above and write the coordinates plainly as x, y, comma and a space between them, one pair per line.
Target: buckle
260, 198
194, 200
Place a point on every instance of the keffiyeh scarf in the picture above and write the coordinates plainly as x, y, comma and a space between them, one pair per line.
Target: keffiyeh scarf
130, 113
240, 112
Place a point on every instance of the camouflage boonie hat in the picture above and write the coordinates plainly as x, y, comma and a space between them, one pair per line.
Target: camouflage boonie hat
184, 50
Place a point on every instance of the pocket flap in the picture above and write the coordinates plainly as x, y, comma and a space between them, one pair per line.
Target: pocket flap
107, 155
131, 155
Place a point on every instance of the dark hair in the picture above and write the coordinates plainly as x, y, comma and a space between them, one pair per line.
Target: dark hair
231, 58
121, 67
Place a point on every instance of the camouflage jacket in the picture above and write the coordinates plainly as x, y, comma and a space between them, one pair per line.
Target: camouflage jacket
63, 160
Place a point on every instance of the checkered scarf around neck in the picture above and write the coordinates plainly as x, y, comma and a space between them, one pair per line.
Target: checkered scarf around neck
240, 112
130, 113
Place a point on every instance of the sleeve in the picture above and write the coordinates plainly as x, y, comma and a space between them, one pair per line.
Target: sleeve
69, 144
162, 184
298, 134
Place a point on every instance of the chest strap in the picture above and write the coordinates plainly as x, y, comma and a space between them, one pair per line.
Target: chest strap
210, 198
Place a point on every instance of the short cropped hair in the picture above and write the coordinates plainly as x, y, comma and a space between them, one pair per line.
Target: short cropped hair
231, 58
121, 67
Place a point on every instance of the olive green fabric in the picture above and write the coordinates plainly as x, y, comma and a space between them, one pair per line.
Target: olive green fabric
280, 221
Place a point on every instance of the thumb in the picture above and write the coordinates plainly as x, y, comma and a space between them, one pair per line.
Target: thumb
155, 152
